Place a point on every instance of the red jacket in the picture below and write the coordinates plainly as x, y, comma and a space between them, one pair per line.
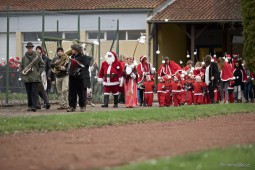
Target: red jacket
149, 86
175, 87
143, 69
226, 73
161, 88
198, 88
110, 74
170, 69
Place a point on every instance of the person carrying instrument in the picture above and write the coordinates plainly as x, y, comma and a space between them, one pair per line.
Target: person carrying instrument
42, 87
59, 66
76, 78
31, 68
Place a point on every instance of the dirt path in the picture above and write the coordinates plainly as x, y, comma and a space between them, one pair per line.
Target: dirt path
91, 148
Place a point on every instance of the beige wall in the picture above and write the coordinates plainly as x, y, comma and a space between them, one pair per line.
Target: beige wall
19, 39
172, 43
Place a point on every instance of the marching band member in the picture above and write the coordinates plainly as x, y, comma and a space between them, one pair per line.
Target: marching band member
59, 66
31, 69
42, 90
143, 69
130, 84
76, 79
110, 74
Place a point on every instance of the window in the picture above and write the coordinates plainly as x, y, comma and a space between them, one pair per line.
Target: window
34, 36
111, 35
135, 34
94, 35
71, 35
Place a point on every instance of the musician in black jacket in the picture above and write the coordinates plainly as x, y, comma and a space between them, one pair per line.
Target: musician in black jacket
86, 77
76, 78
211, 76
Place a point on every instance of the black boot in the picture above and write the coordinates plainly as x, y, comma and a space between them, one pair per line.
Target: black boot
106, 101
115, 101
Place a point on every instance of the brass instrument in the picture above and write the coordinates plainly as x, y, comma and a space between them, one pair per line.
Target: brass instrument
59, 63
29, 67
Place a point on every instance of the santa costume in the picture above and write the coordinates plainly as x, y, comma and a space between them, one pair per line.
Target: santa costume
130, 85
168, 67
168, 96
176, 91
199, 87
110, 74
148, 90
143, 69
161, 90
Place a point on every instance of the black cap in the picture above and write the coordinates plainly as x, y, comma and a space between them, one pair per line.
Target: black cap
29, 44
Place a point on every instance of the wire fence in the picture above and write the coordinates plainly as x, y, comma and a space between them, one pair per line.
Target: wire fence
51, 30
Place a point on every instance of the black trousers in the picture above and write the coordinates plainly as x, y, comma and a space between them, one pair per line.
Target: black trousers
211, 88
32, 94
75, 88
42, 93
141, 93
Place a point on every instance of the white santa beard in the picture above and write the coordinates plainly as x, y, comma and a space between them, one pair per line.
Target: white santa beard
109, 60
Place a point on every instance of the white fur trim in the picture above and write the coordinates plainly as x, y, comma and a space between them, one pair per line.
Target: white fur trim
198, 94
100, 79
141, 59
148, 92
111, 83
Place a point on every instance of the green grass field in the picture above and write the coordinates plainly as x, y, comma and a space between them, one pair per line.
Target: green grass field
97, 119
231, 158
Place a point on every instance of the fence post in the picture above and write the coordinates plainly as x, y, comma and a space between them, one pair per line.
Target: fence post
118, 42
7, 56
99, 46
79, 28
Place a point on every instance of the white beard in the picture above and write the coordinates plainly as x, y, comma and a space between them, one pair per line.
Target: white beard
109, 60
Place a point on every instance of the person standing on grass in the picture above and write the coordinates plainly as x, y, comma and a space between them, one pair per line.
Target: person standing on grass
86, 77
144, 69
226, 74
110, 74
248, 90
76, 79
41, 91
130, 83
211, 76
31, 68
62, 77
239, 78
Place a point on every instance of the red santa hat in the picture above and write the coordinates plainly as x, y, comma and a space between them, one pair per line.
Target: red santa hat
142, 58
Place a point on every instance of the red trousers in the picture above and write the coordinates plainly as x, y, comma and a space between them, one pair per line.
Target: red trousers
148, 98
231, 96
206, 98
183, 96
198, 99
189, 97
168, 99
161, 99
216, 95
176, 99
114, 89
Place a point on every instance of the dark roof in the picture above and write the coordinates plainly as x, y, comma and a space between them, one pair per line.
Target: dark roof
64, 5
200, 11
